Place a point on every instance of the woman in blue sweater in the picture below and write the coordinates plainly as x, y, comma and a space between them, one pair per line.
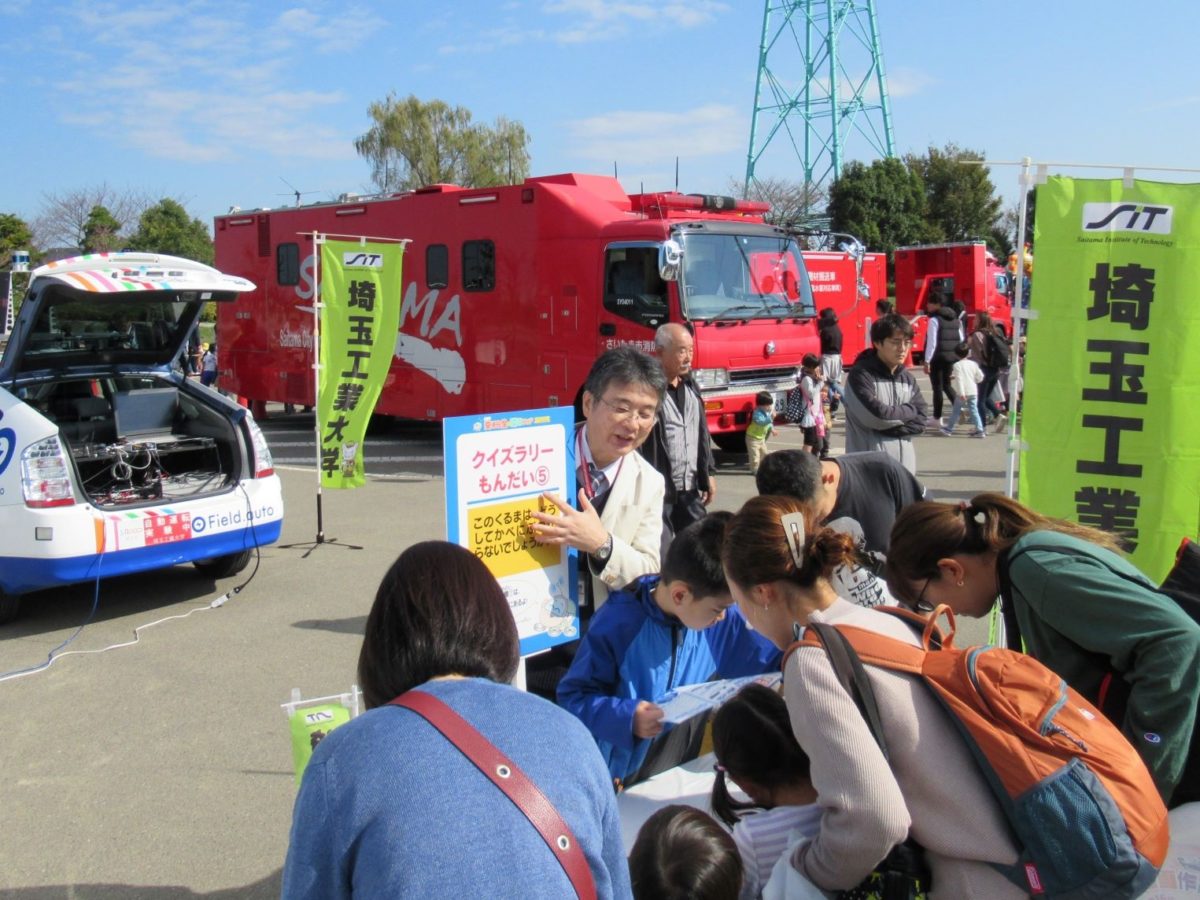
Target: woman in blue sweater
389, 808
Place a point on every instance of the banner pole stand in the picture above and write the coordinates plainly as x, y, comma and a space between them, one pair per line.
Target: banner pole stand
320, 538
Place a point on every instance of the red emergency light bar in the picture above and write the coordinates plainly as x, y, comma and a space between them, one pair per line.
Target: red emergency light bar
674, 202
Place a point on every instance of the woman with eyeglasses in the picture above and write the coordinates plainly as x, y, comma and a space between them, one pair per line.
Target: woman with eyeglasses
1078, 605
778, 563
884, 405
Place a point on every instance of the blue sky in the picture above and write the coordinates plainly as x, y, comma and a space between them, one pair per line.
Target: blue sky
220, 102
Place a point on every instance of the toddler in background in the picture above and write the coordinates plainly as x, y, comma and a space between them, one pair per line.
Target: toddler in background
755, 748
813, 410
762, 423
964, 380
681, 853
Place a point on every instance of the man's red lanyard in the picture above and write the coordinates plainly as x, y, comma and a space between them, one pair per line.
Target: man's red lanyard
587, 475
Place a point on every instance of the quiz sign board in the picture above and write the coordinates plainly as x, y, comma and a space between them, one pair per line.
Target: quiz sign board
497, 468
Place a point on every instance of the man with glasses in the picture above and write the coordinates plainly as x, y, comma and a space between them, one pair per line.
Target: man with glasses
884, 406
679, 446
617, 523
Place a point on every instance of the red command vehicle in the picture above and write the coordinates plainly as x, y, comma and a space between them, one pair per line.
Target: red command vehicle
966, 272
511, 292
851, 292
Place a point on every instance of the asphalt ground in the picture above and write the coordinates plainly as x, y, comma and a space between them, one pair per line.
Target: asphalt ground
163, 769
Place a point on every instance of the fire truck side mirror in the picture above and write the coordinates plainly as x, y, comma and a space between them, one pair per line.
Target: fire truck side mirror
670, 256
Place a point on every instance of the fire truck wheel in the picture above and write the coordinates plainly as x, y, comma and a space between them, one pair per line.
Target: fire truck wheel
731, 441
224, 566
10, 605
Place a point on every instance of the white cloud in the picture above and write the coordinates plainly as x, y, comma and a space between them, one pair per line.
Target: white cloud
644, 138
329, 33
600, 20
212, 84
903, 82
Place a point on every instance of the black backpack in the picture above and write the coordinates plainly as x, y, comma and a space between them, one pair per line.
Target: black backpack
995, 350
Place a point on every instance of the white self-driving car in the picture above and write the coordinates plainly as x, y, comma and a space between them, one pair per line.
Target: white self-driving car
112, 461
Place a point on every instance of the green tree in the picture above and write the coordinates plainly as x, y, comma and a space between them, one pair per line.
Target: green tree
962, 200
166, 228
100, 231
414, 143
64, 216
14, 235
883, 204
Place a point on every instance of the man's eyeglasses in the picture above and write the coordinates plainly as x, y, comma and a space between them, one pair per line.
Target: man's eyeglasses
899, 343
623, 411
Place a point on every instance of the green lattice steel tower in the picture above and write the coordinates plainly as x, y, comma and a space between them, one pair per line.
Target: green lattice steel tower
820, 88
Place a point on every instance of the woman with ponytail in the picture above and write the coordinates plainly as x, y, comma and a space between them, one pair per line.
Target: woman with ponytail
1078, 606
778, 564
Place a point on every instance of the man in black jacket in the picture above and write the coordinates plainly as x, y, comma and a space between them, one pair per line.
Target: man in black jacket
679, 446
943, 335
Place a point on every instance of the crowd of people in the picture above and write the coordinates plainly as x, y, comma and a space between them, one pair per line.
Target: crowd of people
672, 595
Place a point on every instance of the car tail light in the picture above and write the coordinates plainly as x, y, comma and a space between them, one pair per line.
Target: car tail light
263, 464
46, 475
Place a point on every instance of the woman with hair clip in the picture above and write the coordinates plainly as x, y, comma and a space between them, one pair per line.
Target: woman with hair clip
1078, 605
778, 566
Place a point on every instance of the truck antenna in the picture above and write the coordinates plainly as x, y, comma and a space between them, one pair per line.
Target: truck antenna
615, 169
297, 193
677, 174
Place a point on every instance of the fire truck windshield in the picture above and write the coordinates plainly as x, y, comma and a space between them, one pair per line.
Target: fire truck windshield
741, 276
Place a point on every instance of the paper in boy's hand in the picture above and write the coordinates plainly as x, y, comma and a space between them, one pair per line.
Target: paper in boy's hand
685, 702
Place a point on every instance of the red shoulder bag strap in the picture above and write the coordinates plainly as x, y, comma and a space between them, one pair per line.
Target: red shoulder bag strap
515, 784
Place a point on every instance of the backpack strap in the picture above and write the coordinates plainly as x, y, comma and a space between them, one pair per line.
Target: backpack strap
512, 781
853, 677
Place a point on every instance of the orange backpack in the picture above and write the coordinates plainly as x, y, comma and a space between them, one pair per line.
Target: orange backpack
1081, 803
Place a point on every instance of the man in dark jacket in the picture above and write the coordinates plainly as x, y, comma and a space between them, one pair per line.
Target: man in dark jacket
884, 406
944, 334
679, 446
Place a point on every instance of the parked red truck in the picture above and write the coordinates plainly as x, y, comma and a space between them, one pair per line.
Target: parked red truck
851, 292
964, 271
511, 292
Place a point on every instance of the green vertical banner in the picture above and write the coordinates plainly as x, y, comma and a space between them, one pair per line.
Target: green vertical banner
1111, 415
360, 316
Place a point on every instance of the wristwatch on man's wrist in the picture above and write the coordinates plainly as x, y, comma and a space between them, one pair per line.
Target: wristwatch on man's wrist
604, 551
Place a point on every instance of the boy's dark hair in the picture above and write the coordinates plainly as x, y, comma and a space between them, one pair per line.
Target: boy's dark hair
694, 556
962, 351
891, 325
763, 398
414, 633
682, 853
827, 314
752, 739
810, 361
792, 473
883, 307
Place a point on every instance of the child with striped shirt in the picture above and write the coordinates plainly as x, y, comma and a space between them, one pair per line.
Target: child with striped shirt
755, 748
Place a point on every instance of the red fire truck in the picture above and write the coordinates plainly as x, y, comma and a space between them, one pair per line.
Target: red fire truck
965, 271
850, 290
511, 292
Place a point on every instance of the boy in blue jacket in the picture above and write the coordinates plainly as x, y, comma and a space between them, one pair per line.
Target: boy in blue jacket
662, 632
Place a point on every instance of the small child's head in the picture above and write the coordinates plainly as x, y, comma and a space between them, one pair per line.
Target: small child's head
811, 361
755, 747
764, 400
681, 853
693, 587
962, 351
